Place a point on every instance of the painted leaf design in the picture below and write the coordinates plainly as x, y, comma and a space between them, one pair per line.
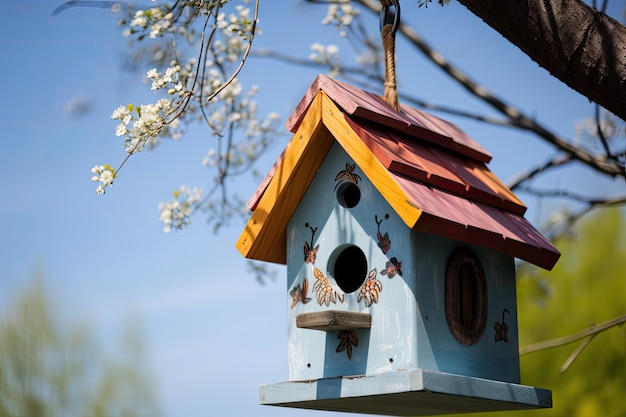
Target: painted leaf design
324, 292
370, 289
353, 338
348, 338
342, 345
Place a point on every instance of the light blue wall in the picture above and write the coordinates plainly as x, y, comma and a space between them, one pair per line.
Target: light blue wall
393, 333
409, 328
486, 358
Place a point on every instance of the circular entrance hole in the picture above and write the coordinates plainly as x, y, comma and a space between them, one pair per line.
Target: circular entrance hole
350, 268
348, 195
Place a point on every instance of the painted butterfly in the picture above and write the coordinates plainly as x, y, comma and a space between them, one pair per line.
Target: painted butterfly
347, 174
392, 267
310, 252
502, 329
299, 294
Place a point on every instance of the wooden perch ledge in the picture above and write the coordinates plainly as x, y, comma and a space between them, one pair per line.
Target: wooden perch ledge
332, 320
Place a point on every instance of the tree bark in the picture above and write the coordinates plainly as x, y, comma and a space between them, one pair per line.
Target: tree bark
577, 44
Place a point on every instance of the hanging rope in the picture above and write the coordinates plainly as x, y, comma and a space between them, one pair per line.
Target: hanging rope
389, 22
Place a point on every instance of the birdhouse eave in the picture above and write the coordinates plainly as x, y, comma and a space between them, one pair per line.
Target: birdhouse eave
441, 188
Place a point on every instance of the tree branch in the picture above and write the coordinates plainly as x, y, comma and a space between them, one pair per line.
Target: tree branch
610, 168
578, 45
561, 341
562, 227
346, 71
552, 163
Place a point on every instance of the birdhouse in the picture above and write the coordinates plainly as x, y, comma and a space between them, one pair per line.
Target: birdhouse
399, 245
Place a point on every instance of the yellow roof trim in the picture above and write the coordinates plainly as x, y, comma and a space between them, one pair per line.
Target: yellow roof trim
264, 236
365, 159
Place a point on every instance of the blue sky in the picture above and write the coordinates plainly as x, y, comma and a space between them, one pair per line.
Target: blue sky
213, 333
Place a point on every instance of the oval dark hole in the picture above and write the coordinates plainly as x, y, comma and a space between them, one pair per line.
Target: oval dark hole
467, 295
350, 269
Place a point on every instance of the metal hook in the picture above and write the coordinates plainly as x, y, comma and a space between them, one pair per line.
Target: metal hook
390, 17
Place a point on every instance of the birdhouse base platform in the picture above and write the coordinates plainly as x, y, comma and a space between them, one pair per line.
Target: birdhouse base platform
405, 393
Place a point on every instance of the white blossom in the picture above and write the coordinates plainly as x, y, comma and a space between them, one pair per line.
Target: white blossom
176, 214
104, 174
181, 90
324, 54
340, 16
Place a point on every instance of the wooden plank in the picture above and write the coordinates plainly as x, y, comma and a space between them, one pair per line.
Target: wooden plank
461, 142
510, 200
434, 165
333, 320
414, 392
336, 123
372, 107
351, 100
456, 218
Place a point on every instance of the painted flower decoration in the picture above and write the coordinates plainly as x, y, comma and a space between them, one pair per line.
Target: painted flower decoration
392, 267
324, 292
370, 289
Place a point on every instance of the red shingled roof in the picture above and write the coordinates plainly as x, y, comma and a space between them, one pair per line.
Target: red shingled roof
368, 106
440, 171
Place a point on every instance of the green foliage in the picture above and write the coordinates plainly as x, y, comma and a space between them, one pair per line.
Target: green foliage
52, 367
587, 287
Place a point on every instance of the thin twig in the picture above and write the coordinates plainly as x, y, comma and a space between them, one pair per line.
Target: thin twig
572, 218
561, 341
605, 143
568, 362
243, 58
574, 196
552, 163
84, 3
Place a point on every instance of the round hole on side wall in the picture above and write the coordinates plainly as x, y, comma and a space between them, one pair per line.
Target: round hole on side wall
350, 268
348, 195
